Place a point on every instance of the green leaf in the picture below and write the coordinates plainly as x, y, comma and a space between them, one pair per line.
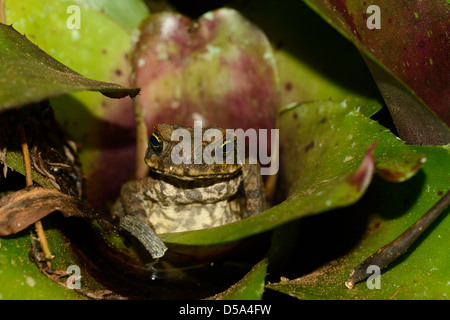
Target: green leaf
128, 13
15, 161
326, 163
20, 278
29, 75
422, 272
251, 287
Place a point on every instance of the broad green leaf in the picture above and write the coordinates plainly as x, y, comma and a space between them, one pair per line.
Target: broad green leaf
326, 163
251, 287
422, 272
127, 13
21, 279
29, 75
15, 160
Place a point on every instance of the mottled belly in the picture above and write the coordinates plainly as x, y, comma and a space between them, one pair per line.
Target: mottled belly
166, 218
175, 208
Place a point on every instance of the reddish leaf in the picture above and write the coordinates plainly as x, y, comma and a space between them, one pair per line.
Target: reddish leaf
413, 42
362, 177
218, 69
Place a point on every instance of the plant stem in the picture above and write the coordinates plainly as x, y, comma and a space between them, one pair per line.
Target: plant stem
384, 256
141, 143
29, 181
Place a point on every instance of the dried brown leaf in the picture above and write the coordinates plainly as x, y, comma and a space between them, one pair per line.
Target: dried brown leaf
22, 208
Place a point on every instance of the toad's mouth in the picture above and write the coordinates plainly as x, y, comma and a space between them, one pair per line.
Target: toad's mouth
192, 175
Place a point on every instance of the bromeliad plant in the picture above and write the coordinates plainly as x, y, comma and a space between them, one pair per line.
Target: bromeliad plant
337, 165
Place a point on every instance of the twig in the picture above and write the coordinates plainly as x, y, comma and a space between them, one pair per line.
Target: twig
141, 143
384, 256
29, 181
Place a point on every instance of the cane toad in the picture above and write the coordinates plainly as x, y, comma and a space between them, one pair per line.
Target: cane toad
182, 194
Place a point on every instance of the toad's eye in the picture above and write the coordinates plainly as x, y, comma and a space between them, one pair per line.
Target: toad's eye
156, 141
227, 147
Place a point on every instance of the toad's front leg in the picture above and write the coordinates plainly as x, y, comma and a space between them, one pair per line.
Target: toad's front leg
133, 218
133, 200
253, 186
